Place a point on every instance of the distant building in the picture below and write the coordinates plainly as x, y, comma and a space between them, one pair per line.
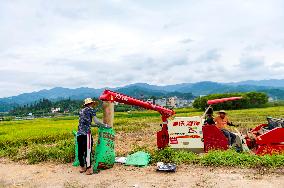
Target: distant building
66, 111
150, 100
161, 102
30, 116
172, 102
55, 110
181, 103
18, 118
270, 99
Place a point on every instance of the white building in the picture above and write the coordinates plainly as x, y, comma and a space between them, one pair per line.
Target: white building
172, 102
181, 103
150, 100
55, 110
270, 99
161, 102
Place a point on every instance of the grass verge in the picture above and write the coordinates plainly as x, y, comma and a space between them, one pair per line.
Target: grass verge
229, 158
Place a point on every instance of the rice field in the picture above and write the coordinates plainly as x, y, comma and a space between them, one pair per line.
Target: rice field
51, 139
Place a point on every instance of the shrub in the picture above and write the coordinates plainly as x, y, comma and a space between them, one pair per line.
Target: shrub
229, 158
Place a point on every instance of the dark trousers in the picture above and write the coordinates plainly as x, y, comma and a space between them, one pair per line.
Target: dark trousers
230, 136
83, 144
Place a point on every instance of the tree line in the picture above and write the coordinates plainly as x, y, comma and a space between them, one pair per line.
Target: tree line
44, 106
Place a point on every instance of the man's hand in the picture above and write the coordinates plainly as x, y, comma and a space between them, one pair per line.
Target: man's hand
106, 126
94, 125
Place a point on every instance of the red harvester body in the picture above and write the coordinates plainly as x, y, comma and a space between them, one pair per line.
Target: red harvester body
262, 141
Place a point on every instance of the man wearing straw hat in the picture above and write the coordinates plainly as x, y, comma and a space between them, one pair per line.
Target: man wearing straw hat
86, 117
222, 123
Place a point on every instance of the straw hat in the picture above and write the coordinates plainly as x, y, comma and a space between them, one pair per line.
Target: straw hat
89, 101
222, 111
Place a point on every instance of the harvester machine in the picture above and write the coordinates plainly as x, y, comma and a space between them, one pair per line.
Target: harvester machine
191, 133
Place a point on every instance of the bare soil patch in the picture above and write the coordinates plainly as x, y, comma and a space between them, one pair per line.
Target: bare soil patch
64, 175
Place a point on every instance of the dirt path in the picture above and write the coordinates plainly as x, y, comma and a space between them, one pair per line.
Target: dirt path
52, 175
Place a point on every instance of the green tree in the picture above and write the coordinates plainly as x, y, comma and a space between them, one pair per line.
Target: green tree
249, 100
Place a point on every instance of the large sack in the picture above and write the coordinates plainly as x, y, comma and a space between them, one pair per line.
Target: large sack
105, 154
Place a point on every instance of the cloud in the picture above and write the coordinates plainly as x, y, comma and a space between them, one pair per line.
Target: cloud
186, 40
278, 65
210, 55
44, 44
251, 62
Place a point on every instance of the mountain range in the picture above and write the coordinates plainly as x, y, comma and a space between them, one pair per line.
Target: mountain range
274, 88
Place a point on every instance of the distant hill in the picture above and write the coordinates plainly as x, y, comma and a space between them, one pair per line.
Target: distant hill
274, 88
197, 89
5, 107
147, 91
140, 91
168, 88
53, 94
278, 83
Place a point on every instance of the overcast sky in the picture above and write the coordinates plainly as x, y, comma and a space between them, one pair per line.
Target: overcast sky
80, 43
